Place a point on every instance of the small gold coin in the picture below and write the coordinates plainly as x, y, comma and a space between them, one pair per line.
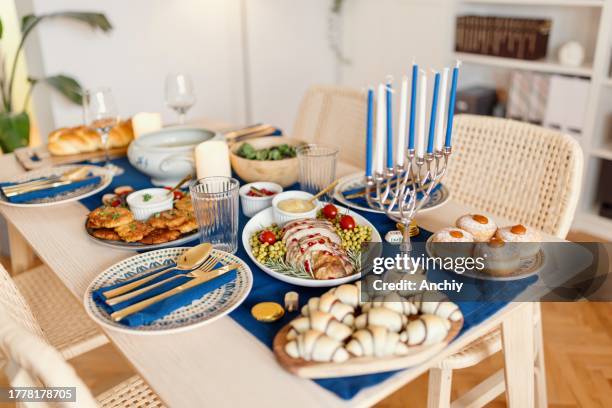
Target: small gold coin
267, 311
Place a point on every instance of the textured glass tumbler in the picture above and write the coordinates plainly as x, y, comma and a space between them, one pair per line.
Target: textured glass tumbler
215, 202
317, 164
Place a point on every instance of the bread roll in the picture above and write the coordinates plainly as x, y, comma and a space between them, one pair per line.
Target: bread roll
82, 139
376, 342
316, 346
321, 321
380, 316
427, 329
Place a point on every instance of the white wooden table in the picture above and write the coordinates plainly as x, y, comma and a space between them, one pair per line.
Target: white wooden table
222, 364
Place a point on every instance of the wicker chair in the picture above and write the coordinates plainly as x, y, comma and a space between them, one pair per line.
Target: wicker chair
29, 361
334, 116
62, 319
521, 172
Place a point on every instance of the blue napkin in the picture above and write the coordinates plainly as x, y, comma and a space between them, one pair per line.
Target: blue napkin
49, 192
166, 306
363, 202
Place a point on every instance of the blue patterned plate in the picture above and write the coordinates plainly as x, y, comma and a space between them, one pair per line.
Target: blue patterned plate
208, 308
355, 180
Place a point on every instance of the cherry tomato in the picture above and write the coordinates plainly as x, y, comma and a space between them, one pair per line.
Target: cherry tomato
116, 203
330, 211
347, 222
267, 236
178, 195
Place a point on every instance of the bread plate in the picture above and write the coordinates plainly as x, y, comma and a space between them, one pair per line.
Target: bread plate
529, 266
265, 218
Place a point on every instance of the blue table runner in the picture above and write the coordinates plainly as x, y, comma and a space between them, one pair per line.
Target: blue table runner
266, 288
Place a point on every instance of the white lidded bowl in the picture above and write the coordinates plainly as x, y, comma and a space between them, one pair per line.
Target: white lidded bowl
253, 205
282, 217
142, 209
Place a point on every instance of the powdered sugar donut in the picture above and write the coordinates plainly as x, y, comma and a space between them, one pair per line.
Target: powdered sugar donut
528, 238
480, 226
452, 242
500, 258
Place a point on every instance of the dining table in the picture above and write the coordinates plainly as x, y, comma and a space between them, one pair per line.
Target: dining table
222, 364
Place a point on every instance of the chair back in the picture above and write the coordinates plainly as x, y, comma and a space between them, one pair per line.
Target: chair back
336, 116
13, 304
523, 172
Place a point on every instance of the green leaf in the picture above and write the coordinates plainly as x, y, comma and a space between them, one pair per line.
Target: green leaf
65, 85
94, 20
1, 28
14, 131
29, 21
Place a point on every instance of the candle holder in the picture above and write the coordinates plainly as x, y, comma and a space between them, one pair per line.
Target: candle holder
402, 191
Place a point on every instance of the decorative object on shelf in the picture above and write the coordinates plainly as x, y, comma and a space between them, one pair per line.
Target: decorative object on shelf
567, 117
424, 166
571, 54
15, 123
528, 96
146, 122
520, 38
212, 159
477, 100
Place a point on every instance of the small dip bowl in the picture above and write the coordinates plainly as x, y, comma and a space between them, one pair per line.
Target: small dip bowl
251, 205
145, 203
282, 216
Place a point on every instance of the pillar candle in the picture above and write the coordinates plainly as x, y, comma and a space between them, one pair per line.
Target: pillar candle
381, 115
413, 104
451, 106
389, 94
146, 122
401, 129
212, 159
441, 111
420, 142
369, 126
433, 113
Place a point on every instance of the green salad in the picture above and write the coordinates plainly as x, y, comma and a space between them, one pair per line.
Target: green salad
280, 152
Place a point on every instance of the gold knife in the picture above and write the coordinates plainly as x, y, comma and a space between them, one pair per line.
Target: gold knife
137, 307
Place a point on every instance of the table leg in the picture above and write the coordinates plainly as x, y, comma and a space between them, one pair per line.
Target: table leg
540, 369
517, 335
22, 255
439, 388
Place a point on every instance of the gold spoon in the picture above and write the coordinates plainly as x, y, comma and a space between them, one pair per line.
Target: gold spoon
325, 190
187, 261
180, 183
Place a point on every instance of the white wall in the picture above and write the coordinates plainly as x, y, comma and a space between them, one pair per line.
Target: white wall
150, 39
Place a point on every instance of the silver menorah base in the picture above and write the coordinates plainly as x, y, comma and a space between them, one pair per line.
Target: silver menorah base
402, 191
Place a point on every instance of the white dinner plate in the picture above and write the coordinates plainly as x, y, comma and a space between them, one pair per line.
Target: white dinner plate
106, 177
529, 267
265, 218
355, 180
207, 309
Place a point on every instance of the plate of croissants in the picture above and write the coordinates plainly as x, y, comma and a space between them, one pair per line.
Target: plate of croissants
113, 224
339, 335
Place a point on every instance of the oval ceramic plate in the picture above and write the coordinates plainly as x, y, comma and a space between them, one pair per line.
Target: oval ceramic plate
106, 178
265, 218
355, 181
137, 246
205, 310
529, 267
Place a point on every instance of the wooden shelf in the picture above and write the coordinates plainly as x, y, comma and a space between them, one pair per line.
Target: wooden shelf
604, 152
551, 67
552, 3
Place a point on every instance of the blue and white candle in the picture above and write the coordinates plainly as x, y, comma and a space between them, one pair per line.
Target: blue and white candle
389, 125
433, 113
401, 128
422, 118
379, 144
451, 105
413, 105
441, 111
369, 129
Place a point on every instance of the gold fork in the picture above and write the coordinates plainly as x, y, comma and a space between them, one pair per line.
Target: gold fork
207, 266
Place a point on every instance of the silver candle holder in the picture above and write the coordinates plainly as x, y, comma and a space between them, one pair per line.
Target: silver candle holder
396, 191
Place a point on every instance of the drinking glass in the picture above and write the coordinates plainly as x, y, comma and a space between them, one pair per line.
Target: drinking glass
180, 94
100, 113
317, 165
215, 202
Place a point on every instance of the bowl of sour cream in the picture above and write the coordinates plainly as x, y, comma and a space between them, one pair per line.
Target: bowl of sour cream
293, 205
145, 203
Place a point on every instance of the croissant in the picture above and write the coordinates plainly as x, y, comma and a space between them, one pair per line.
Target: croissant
392, 301
330, 304
377, 342
313, 345
380, 316
321, 321
443, 308
427, 329
348, 294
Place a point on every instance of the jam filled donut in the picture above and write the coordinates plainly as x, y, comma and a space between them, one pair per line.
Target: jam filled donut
500, 258
528, 239
452, 242
481, 227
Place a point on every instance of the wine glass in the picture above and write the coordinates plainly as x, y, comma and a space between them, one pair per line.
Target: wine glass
180, 95
100, 112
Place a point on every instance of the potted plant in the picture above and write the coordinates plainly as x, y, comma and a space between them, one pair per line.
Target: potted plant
14, 121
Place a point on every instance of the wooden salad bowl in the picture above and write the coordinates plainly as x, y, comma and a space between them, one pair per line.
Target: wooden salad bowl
283, 172
357, 365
